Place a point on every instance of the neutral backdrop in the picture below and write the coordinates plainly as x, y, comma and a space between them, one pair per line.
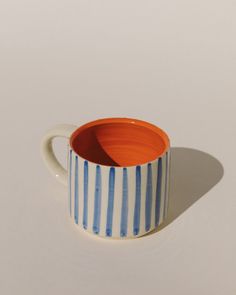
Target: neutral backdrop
172, 63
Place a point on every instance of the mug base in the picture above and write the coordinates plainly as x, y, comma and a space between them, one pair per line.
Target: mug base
114, 238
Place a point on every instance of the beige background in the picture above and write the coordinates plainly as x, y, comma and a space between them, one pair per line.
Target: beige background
172, 63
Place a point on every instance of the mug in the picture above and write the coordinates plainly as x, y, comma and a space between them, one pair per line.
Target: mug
117, 175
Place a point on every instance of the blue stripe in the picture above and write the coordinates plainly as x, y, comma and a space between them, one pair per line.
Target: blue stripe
137, 201
97, 201
70, 173
166, 184
148, 198
110, 206
124, 208
85, 214
158, 192
76, 207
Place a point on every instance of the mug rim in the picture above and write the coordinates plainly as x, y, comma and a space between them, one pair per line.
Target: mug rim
126, 120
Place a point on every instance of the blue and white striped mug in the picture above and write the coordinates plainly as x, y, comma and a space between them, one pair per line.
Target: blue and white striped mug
117, 176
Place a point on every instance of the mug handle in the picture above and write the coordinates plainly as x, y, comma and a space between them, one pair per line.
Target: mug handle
56, 169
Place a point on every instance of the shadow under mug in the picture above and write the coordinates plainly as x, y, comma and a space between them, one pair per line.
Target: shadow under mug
117, 175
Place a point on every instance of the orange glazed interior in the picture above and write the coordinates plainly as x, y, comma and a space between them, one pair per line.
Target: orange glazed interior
119, 142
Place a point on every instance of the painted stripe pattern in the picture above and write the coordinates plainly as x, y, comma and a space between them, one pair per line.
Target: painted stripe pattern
97, 201
96, 188
85, 210
137, 201
167, 183
70, 180
76, 206
124, 209
148, 198
158, 192
110, 206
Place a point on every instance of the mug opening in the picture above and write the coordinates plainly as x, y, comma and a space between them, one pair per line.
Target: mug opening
119, 142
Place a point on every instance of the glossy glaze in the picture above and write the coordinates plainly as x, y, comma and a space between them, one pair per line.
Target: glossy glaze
117, 176
119, 142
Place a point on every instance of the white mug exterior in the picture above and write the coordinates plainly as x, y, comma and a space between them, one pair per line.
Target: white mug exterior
111, 201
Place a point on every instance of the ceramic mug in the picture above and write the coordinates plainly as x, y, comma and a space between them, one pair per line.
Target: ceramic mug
117, 175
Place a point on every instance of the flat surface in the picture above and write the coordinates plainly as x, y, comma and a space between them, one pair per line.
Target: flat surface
172, 63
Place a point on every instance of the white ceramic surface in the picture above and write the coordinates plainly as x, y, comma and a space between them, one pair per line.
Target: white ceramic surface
115, 202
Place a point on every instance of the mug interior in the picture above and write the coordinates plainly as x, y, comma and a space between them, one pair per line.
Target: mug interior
119, 142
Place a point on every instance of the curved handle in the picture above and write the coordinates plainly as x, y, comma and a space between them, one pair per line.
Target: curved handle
48, 155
